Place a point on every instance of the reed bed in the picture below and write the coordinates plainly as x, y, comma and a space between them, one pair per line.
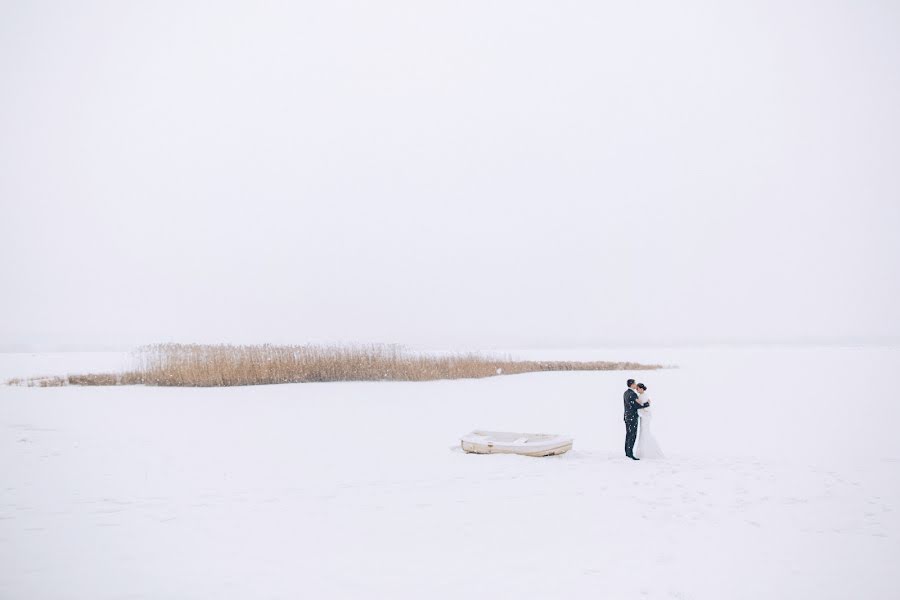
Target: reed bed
204, 365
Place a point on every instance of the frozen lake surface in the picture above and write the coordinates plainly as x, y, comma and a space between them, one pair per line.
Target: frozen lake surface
782, 481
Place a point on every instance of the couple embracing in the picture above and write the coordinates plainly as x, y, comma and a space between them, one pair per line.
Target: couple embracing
637, 423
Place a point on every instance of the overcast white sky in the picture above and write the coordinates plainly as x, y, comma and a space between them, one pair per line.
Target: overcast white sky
449, 173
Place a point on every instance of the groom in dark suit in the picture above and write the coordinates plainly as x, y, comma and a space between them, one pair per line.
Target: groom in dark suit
632, 404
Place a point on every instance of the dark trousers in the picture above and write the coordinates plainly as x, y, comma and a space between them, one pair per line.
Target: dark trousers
631, 430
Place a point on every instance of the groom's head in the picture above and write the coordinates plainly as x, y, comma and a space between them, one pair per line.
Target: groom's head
630, 383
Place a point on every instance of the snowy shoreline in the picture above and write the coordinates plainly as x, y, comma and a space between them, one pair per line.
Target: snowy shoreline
781, 482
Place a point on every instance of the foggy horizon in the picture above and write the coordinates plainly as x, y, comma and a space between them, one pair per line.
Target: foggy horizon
63, 346
470, 176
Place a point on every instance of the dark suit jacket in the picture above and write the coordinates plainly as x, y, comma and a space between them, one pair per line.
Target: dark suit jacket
632, 404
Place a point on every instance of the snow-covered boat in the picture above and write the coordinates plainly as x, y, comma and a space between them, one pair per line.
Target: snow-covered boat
507, 442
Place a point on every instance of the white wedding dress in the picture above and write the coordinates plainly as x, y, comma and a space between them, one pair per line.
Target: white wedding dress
647, 446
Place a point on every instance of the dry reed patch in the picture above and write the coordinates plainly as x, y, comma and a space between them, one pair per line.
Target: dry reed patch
204, 365
126, 378
41, 381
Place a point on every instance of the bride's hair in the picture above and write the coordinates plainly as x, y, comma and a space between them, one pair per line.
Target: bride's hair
642, 386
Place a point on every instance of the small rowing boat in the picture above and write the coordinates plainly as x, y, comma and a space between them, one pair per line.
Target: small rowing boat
507, 442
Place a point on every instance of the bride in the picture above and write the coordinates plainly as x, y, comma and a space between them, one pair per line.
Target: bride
647, 446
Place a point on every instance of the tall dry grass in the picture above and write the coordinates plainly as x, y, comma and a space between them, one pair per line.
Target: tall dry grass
203, 365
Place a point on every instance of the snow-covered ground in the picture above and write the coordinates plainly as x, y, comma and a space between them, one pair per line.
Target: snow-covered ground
783, 481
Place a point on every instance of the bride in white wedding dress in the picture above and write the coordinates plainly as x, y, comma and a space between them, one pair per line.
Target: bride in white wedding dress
647, 446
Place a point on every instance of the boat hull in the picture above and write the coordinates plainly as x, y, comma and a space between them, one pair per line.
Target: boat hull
510, 443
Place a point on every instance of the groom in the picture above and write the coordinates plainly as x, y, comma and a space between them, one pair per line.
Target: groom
632, 404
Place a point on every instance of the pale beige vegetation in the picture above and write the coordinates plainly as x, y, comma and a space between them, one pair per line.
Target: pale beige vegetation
206, 365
